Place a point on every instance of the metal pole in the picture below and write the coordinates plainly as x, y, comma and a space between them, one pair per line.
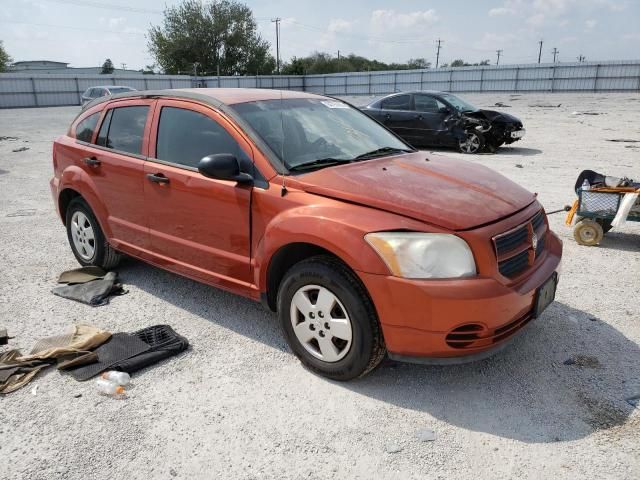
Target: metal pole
33, 88
78, 90
438, 53
540, 51
277, 22
515, 87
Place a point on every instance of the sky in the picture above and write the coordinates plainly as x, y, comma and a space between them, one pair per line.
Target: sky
85, 32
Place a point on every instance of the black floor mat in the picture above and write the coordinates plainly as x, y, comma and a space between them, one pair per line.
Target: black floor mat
120, 347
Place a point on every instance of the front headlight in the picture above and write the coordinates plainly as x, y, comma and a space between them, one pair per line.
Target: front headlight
423, 255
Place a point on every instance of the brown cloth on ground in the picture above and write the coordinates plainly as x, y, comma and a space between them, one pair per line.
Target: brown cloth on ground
81, 275
17, 370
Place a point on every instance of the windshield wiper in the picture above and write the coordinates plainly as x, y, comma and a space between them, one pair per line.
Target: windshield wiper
380, 152
318, 163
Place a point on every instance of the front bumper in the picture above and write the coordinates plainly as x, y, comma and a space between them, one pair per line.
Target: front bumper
419, 316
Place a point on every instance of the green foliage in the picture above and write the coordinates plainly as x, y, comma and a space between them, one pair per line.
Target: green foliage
107, 67
461, 63
321, 62
5, 59
219, 35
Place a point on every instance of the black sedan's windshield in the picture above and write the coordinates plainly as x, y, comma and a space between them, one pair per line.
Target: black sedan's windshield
458, 103
318, 132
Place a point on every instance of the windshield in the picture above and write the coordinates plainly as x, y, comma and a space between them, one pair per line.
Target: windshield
458, 103
115, 90
305, 130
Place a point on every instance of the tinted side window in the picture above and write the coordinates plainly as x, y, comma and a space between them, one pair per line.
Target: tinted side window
126, 129
84, 130
89, 93
426, 103
104, 129
401, 102
185, 136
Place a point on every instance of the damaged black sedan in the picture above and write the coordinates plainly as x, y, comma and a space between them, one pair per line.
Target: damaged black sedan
429, 118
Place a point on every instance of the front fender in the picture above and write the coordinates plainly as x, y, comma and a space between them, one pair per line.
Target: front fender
75, 178
336, 229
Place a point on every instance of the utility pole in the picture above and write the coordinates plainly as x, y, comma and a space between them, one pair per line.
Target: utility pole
438, 53
540, 51
338, 54
124, 66
581, 58
277, 22
498, 52
555, 52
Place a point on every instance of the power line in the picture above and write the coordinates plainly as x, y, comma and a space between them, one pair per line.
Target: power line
438, 53
70, 27
107, 6
277, 21
540, 51
498, 52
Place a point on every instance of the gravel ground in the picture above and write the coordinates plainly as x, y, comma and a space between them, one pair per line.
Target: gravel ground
239, 405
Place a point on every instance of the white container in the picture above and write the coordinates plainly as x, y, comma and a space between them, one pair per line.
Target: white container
105, 387
119, 378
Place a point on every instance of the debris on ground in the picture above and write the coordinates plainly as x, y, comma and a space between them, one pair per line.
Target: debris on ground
502, 105
34, 390
545, 105
622, 140
583, 361
426, 435
586, 113
634, 401
392, 448
2, 139
519, 165
20, 149
90, 285
30, 212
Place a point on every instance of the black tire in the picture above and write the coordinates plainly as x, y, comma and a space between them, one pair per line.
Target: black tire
104, 255
367, 347
469, 145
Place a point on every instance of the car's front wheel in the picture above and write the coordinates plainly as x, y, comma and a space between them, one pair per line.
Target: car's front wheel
86, 238
473, 142
329, 320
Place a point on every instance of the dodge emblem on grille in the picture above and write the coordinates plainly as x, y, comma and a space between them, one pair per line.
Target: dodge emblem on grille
534, 243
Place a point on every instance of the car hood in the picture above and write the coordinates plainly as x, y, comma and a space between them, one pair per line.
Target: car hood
494, 116
450, 193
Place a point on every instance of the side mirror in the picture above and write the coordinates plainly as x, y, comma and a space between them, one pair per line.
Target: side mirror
223, 166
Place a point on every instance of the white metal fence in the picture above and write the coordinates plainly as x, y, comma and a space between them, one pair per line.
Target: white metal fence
615, 76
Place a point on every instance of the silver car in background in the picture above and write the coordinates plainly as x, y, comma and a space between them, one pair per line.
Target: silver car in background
100, 91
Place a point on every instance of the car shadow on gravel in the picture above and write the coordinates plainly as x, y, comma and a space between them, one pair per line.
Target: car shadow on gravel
568, 375
525, 392
504, 150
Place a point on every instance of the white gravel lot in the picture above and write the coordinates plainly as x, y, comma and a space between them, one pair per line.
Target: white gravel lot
239, 405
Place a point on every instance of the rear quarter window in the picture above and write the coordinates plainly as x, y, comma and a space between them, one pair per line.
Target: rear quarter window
123, 129
84, 129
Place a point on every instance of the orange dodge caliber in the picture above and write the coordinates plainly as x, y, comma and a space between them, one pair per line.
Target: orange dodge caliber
362, 245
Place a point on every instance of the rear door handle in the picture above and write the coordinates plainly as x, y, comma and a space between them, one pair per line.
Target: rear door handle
91, 161
157, 178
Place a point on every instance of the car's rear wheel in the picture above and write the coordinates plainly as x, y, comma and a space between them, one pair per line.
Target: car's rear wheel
473, 142
329, 320
86, 238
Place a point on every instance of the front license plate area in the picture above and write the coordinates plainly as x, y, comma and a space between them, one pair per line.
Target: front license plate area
545, 295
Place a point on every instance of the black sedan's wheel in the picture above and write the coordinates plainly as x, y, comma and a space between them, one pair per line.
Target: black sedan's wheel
86, 238
329, 320
472, 143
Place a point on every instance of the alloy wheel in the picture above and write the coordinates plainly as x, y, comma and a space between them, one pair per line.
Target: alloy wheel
471, 144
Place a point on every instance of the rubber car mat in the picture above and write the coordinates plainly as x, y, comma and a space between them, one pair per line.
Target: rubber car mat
81, 275
163, 343
120, 347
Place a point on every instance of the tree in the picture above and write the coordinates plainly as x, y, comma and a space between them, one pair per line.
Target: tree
149, 70
220, 37
459, 63
5, 59
107, 67
322, 62
418, 63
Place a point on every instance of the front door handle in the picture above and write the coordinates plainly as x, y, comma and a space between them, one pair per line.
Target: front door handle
91, 161
157, 178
